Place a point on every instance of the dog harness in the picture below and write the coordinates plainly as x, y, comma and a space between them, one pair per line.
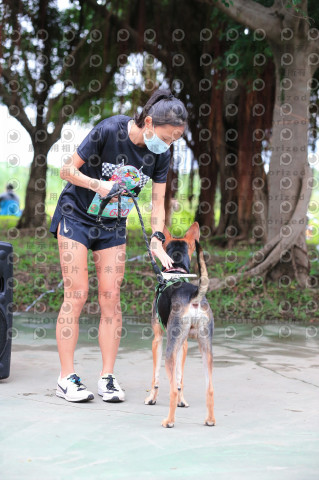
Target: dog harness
159, 289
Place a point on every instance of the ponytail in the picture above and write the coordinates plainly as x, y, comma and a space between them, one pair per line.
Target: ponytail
164, 108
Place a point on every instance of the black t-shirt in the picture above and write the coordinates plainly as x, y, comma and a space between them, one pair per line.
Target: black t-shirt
103, 149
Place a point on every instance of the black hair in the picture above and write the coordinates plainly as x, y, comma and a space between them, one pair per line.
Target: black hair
164, 109
10, 186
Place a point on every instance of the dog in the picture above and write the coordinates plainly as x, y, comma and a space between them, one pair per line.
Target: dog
184, 312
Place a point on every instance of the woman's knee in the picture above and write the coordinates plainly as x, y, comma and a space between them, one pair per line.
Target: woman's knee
109, 297
75, 298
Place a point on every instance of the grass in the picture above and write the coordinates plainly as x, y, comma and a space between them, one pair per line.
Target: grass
37, 269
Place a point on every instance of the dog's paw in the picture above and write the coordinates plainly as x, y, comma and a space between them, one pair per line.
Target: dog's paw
183, 403
210, 422
149, 401
167, 424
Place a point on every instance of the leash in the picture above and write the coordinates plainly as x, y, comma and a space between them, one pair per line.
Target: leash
118, 190
163, 282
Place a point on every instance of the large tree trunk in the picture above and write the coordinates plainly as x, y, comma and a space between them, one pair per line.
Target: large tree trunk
242, 181
208, 161
296, 53
34, 215
228, 220
289, 145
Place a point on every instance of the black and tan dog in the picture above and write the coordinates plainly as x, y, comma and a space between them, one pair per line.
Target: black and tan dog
184, 312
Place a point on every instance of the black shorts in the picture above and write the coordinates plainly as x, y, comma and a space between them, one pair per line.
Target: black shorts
94, 238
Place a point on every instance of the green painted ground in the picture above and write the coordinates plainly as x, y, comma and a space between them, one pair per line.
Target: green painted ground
265, 382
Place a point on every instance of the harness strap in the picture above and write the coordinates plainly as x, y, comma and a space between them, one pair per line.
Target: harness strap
159, 289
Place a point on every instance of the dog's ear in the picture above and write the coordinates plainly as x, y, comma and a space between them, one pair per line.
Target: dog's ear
190, 236
193, 233
168, 236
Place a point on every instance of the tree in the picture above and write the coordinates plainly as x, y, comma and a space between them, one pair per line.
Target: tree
188, 58
59, 63
295, 49
247, 106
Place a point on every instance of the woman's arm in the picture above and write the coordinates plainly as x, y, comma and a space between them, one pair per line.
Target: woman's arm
158, 210
157, 223
71, 173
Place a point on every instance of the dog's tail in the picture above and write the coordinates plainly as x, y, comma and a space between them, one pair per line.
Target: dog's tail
198, 295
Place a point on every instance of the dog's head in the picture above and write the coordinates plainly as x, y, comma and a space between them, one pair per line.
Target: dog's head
181, 249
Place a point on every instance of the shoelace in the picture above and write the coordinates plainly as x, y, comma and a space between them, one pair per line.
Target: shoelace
77, 380
110, 384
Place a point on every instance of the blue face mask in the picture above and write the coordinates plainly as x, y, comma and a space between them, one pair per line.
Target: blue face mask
155, 144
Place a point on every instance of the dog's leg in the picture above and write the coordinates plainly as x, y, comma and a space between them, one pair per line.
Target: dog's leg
157, 348
176, 336
205, 345
210, 419
181, 402
170, 365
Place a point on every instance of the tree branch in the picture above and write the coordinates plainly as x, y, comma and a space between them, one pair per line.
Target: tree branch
30, 78
51, 103
76, 102
251, 14
73, 53
7, 100
161, 54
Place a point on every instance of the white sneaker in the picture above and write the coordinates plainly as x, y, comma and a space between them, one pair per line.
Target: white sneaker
109, 388
72, 389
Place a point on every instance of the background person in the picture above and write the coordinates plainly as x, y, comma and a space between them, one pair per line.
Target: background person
10, 202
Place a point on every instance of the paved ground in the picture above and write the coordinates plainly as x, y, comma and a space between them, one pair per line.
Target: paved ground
266, 406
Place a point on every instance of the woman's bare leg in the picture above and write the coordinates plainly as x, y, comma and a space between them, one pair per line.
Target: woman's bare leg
110, 267
73, 260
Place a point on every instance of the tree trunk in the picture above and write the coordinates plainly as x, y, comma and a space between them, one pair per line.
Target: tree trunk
243, 200
288, 163
205, 152
296, 52
208, 172
34, 215
228, 220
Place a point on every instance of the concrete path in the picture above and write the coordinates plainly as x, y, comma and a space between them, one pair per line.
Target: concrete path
266, 385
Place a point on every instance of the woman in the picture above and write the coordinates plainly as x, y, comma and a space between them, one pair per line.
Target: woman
142, 142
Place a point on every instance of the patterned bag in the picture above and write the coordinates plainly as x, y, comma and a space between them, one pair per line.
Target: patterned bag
111, 208
127, 177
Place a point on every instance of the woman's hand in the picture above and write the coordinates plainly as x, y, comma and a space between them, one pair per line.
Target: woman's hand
158, 250
105, 187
